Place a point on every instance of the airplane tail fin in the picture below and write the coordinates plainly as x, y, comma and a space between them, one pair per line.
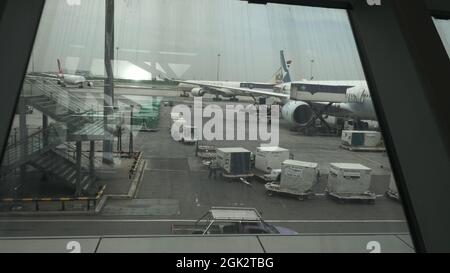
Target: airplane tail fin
285, 67
60, 70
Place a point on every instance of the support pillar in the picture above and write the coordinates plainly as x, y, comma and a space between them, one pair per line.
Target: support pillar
109, 80
91, 159
23, 133
45, 129
78, 190
130, 148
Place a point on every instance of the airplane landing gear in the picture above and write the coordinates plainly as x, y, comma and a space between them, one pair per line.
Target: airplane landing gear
312, 129
361, 125
318, 114
217, 98
184, 94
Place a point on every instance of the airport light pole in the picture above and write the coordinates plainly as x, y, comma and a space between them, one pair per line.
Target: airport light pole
131, 131
312, 65
117, 63
218, 66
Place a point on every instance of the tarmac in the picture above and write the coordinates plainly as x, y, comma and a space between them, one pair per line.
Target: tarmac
174, 187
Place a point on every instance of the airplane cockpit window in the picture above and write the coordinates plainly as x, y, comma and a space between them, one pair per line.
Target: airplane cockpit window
167, 118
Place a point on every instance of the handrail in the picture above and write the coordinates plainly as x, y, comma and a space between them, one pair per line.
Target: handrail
61, 96
68, 155
33, 144
62, 200
70, 101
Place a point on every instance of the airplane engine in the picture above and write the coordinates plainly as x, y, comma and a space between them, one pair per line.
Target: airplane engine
90, 84
297, 113
198, 92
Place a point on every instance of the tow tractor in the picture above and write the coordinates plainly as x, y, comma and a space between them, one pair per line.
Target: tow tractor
231, 220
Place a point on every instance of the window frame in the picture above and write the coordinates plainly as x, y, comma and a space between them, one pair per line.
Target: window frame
422, 209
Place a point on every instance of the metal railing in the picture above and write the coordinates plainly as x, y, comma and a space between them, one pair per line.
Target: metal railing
69, 153
61, 96
23, 150
72, 103
91, 202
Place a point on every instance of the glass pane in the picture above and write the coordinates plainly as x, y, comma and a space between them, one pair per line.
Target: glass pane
253, 119
443, 27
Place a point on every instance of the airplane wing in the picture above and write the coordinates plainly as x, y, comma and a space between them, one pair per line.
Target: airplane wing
54, 76
49, 75
226, 89
42, 75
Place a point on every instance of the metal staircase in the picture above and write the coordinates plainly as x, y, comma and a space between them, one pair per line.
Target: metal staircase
76, 121
24, 151
82, 121
58, 166
42, 151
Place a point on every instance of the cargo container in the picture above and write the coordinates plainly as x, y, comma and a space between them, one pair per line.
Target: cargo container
148, 115
234, 161
346, 180
361, 138
270, 158
297, 178
298, 175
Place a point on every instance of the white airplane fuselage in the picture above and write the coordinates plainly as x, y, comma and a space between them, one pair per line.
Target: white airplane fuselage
358, 100
69, 79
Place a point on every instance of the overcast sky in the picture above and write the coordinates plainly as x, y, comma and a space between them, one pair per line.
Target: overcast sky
182, 38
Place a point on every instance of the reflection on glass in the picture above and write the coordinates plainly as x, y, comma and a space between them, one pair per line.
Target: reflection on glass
443, 27
218, 110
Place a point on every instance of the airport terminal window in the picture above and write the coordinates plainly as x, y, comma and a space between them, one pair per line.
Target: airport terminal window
187, 109
443, 27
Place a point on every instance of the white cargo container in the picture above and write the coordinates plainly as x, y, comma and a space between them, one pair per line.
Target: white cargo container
270, 158
372, 139
234, 161
298, 176
361, 138
349, 179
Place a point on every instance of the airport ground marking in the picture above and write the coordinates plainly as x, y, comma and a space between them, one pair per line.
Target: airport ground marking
187, 220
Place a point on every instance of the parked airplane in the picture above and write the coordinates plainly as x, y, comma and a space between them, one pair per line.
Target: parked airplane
71, 79
348, 99
303, 102
64, 79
